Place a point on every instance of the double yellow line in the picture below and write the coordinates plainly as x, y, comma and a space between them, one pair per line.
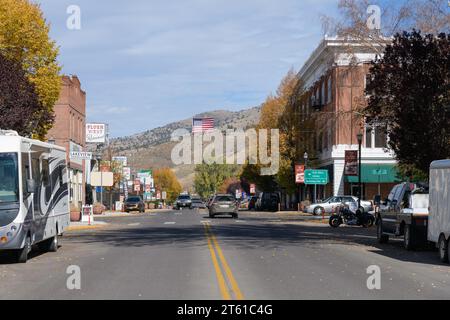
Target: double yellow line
227, 284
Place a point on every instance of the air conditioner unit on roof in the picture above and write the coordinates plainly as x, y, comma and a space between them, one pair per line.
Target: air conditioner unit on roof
8, 133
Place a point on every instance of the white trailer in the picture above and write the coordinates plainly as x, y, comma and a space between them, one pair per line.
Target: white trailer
34, 199
439, 215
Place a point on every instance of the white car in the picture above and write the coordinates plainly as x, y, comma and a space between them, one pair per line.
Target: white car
330, 204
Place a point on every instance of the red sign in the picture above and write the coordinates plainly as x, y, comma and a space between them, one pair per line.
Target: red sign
299, 173
351, 163
253, 188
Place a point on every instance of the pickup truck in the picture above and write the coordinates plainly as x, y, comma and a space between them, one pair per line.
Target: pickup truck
404, 214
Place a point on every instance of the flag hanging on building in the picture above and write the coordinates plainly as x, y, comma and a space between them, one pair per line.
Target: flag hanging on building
200, 125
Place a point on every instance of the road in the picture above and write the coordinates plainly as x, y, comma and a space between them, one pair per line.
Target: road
186, 255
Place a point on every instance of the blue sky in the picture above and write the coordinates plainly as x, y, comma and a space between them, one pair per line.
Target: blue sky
145, 63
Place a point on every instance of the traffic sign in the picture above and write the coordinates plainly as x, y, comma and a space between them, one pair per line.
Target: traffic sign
316, 177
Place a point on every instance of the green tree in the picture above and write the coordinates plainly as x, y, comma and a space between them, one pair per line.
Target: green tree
210, 177
24, 37
410, 93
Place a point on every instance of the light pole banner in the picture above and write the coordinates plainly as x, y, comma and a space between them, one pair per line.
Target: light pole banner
299, 173
351, 163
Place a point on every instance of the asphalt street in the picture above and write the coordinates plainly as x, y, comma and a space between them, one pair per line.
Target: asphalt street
186, 255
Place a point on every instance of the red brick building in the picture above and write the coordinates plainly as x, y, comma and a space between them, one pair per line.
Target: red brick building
69, 132
334, 80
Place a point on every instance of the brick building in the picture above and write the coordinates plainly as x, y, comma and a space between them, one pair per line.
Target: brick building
69, 131
334, 79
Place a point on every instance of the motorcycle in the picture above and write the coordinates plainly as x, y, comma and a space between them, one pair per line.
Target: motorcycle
345, 215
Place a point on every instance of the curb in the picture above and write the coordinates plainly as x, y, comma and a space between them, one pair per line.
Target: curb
80, 228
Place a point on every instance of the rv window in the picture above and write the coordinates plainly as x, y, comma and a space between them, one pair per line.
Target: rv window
45, 173
9, 184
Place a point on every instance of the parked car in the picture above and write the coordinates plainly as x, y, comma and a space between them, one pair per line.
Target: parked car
330, 204
183, 201
197, 202
267, 201
404, 214
252, 203
223, 204
134, 203
439, 216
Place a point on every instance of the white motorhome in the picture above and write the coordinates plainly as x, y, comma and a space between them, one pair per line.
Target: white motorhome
34, 200
439, 216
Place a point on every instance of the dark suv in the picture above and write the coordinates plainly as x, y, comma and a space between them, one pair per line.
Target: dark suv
134, 203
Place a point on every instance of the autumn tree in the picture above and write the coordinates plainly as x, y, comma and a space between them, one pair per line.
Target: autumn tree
166, 180
18, 99
24, 38
278, 112
410, 93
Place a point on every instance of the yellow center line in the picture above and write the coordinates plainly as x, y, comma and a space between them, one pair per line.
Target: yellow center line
234, 286
219, 275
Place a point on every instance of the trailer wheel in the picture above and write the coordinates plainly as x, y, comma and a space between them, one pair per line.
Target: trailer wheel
409, 238
443, 249
381, 237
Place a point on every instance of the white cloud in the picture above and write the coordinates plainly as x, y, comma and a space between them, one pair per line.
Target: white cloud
177, 58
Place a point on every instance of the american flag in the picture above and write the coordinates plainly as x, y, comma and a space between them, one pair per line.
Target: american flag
200, 125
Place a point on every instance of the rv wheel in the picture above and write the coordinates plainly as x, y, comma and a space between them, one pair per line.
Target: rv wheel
53, 243
22, 254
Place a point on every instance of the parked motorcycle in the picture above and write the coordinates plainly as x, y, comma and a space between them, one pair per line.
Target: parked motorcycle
349, 217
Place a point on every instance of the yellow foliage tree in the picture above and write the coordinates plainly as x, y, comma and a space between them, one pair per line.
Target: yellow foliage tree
166, 180
24, 37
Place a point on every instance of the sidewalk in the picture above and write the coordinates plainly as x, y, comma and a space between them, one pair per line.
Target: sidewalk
75, 226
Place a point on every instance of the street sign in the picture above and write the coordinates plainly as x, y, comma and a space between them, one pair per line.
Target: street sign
123, 160
96, 132
80, 155
316, 177
164, 195
252, 188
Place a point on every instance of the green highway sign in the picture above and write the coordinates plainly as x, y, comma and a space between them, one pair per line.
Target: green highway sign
316, 177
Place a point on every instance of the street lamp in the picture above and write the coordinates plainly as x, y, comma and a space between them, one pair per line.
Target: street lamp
359, 136
305, 156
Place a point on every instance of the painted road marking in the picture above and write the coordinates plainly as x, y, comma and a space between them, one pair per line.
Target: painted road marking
169, 222
134, 224
214, 247
220, 278
241, 221
205, 221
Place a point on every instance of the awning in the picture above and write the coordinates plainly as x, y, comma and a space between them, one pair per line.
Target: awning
376, 173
